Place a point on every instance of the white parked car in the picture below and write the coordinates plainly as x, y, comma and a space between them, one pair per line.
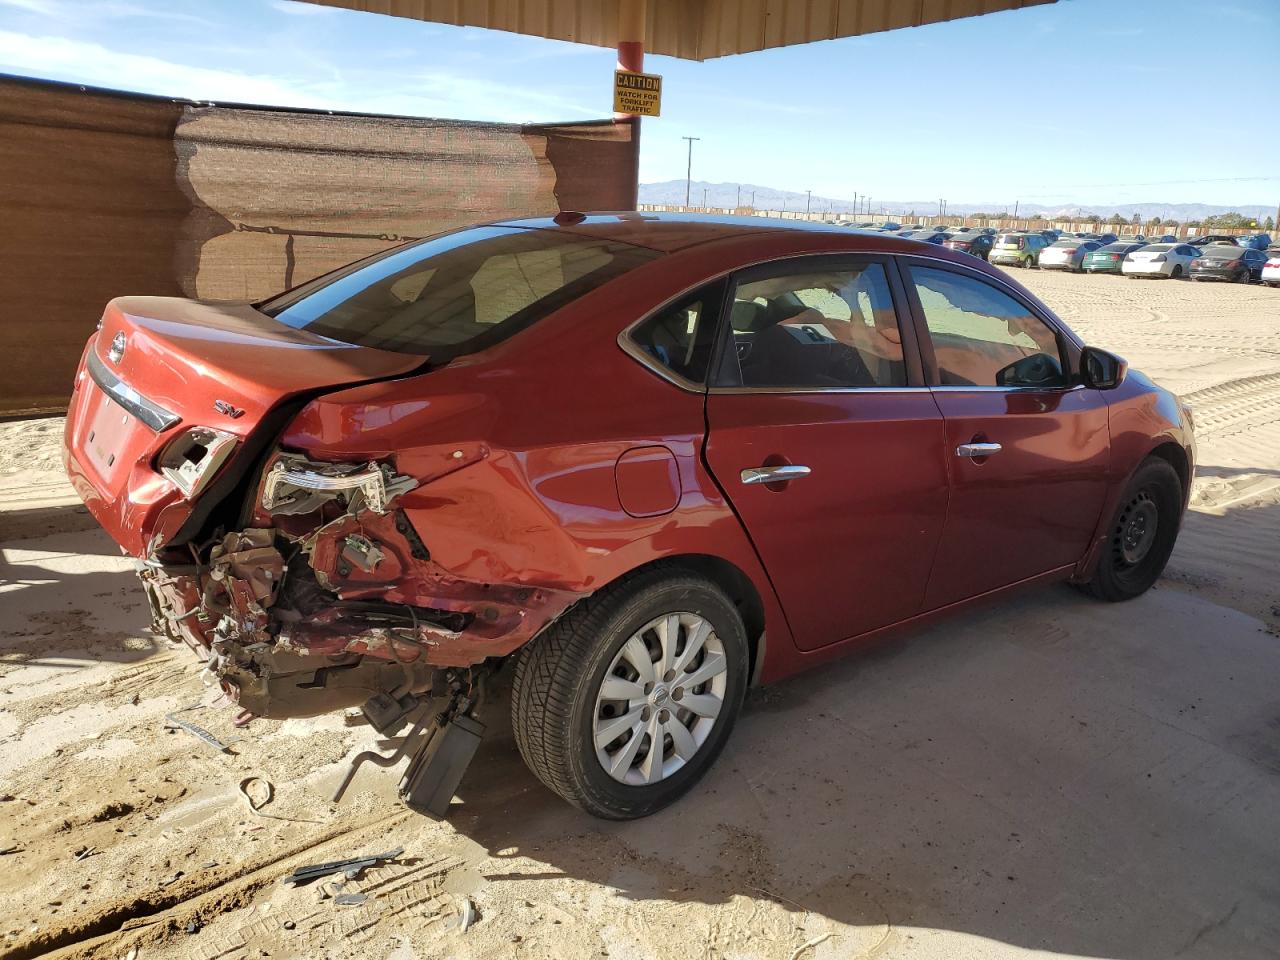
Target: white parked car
1160, 260
1271, 270
1067, 254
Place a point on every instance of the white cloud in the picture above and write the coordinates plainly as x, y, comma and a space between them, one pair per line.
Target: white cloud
430, 93
92, 63
296, 9
79, 13
46, 8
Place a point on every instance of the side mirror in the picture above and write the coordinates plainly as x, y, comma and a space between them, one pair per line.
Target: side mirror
1102, 370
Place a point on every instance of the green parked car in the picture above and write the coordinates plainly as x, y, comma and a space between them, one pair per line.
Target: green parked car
1021, 249
1109, 258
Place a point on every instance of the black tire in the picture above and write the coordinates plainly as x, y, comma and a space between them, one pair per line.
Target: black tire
1177, 271
559, 674
1242, 276
1121, 575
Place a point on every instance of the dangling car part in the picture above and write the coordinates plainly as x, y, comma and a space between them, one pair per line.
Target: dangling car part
647, 459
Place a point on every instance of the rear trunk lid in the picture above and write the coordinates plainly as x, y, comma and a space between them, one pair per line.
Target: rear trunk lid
160, 366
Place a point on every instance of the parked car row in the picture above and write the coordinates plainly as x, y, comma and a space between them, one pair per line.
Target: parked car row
1205, 257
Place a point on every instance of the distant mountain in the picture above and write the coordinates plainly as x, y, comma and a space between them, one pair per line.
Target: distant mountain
672, 193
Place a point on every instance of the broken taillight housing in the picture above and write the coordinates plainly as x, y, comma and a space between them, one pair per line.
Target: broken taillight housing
193, 457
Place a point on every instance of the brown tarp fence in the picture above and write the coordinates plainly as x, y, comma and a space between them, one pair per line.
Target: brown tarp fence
104, 193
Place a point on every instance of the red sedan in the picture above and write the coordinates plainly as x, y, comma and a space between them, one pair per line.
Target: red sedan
650, 459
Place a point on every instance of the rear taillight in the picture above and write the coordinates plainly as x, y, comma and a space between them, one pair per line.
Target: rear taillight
1273, 262
1068, 249
1197, 263
192, 458
1234, 263
1114, 256
1158, 258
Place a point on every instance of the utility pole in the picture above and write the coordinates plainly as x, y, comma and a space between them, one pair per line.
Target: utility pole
704, 198
1015, 209
737, 204
753, 201
688, 174
808, 198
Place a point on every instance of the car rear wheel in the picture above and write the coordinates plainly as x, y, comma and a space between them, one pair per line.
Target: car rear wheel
1177, 271
624, 703
1142, 534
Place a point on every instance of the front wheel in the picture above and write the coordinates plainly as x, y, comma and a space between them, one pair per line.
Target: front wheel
1142, 534
1177, 271
624, 703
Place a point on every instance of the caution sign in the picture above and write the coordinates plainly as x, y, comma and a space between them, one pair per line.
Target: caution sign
638, 93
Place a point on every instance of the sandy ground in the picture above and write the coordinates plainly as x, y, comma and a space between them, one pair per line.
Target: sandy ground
1047, 777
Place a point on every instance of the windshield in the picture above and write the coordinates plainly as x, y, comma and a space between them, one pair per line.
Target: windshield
455, 293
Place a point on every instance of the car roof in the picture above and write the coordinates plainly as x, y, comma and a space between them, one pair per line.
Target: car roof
669, 232
726, 243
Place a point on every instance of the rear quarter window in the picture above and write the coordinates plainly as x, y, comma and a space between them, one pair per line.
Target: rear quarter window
455, 293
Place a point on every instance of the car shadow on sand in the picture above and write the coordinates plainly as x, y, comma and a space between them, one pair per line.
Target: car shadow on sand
1051, 773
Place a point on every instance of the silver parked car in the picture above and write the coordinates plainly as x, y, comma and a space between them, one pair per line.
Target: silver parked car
1067, 254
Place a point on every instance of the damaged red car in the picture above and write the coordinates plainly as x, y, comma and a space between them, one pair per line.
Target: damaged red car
641, 461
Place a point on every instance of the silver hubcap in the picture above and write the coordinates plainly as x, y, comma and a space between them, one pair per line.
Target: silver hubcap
659, 699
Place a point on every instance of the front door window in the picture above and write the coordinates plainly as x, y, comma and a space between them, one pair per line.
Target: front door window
982, 337
818, 328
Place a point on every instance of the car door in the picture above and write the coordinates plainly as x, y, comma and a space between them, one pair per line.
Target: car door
1027, 446
828, 444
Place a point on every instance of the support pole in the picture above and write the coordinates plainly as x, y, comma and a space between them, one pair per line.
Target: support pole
632, 20
688, 173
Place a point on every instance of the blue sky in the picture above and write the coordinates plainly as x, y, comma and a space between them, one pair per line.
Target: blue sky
1082, 101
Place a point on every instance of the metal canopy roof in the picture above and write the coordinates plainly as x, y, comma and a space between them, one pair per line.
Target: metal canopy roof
689, 29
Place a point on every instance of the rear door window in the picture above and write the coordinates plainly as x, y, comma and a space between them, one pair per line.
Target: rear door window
983, 337
804, 327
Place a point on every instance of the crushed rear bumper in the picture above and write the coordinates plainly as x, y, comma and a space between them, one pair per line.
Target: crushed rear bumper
335, 599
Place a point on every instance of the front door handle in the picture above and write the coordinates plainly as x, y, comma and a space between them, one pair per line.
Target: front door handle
788, 471
977, 449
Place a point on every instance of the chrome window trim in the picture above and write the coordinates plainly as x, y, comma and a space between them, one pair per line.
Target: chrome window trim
152, 414
636, 352
952, 388
733, 391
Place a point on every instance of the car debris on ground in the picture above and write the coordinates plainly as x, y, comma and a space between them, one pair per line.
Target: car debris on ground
349, 868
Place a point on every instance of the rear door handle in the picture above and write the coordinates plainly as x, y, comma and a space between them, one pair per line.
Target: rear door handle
789, 471
977, 449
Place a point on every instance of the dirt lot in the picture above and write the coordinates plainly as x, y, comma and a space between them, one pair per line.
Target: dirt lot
1048, 777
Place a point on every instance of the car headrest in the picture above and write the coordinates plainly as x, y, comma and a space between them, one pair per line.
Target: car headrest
747, 316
